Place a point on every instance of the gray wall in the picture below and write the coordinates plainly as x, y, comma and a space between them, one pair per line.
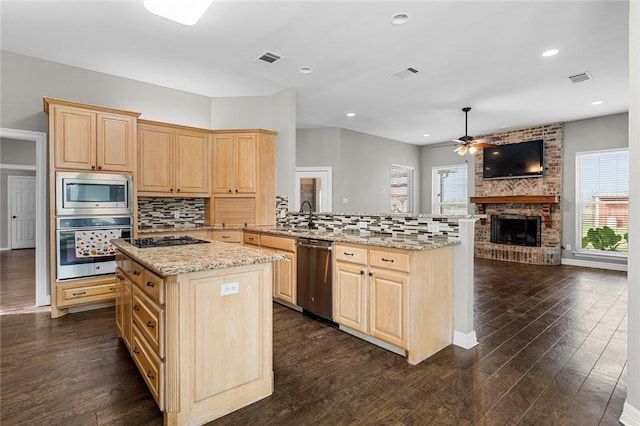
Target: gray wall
361, 164
439, 156
592, 134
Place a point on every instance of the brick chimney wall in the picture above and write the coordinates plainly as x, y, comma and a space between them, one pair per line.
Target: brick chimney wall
550, 184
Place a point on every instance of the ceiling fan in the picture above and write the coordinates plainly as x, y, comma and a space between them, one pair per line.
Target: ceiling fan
468, 143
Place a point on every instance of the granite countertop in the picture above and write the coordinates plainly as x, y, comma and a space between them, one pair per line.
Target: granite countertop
176, 260
406, 242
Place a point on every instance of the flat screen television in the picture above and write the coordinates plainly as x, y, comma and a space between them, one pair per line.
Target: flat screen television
516, 160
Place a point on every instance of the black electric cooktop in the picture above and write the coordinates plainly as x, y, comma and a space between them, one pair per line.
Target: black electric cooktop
178, 240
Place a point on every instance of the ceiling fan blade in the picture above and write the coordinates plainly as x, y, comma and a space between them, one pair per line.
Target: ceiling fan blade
457, 140
457, 149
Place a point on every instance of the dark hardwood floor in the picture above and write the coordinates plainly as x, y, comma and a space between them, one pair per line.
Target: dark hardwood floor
18, 277
552, 351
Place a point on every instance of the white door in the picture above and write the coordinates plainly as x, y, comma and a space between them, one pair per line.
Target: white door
22, 219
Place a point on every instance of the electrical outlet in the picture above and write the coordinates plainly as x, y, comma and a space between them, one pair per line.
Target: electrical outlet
345, 201
176, 214
433, 227
229, 288
362, 225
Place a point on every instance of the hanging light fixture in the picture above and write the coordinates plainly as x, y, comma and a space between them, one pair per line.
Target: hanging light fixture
185, 12
462, 150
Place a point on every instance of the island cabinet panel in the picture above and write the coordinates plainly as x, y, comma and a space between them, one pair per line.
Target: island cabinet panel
351, 294
400, 297
207, 349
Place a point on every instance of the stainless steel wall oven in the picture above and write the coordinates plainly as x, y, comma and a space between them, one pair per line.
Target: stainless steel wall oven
83, 245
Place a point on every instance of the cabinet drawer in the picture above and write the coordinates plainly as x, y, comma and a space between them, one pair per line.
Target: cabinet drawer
149, 318
70, 296
227, 236
135, 272
395, 261
150, 366
153, 286
351, 254
269, 241
251, 238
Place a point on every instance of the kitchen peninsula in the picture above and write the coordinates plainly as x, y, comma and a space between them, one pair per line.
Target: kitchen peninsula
197, 320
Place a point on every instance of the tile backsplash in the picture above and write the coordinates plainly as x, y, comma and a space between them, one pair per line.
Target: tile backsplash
153, 211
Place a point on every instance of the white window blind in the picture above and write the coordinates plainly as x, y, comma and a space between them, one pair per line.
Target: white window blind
401, 189
450, 190
602, 205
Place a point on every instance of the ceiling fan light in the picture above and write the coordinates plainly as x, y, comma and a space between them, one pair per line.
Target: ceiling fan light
185, 12
462, 150
473, 149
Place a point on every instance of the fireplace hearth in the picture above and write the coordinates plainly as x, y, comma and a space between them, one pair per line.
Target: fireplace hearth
516, 230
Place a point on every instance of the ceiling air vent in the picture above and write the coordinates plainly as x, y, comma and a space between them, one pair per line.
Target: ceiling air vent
268, 58
405, 72
578, 78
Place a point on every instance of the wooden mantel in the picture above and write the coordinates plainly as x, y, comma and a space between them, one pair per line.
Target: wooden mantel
545, 200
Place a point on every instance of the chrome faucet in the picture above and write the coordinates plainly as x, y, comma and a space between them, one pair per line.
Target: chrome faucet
311, 224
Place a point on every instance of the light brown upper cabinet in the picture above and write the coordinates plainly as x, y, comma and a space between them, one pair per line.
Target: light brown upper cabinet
91, 138
172, 160
235, 157
243, 178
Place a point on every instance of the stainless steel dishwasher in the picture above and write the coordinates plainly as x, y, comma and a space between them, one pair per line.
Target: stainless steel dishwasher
315, 283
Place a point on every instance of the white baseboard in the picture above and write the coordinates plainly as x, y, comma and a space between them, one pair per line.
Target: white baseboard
594, 264
4, 249
465, 340
630, 415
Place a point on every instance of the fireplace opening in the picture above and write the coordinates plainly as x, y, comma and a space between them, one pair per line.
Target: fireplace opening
516, 230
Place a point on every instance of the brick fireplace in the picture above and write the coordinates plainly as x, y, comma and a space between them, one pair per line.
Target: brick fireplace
523, 197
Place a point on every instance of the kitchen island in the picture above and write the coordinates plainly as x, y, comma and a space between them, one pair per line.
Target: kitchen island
197, 320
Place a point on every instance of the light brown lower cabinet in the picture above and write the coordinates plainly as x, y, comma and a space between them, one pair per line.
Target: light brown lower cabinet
79, 292
202, 352
401, 297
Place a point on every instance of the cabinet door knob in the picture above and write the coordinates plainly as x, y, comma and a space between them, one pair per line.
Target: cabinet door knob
236, 190
230, 191
170, 189
361, 272
93, 167
370, 274
178, 190
99, 167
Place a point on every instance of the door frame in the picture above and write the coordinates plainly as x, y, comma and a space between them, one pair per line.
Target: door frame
42, 245
325, 174
10, 179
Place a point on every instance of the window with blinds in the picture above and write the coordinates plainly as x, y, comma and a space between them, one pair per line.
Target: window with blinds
602, 201
450, 190
401, 189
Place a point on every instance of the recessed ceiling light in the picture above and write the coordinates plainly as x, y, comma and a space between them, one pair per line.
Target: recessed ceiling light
399, 18
550, 52
597, 102
426, 135
351, 114
183, 12
305, 70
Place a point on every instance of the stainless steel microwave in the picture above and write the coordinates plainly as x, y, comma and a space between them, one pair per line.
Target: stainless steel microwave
93, 194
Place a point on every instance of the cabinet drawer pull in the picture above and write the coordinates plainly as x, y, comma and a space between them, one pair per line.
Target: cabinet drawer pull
150, 284
136, 307
136, 351
226, 237
150, 324
387, 260
81, 293
150, 375
136, 272
348, 254
112, 289
250, 238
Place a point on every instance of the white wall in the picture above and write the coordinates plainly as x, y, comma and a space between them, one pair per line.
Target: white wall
631, 413
361, 166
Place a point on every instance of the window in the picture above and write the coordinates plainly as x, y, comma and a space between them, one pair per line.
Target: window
450, 190
602, 201
401, 189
